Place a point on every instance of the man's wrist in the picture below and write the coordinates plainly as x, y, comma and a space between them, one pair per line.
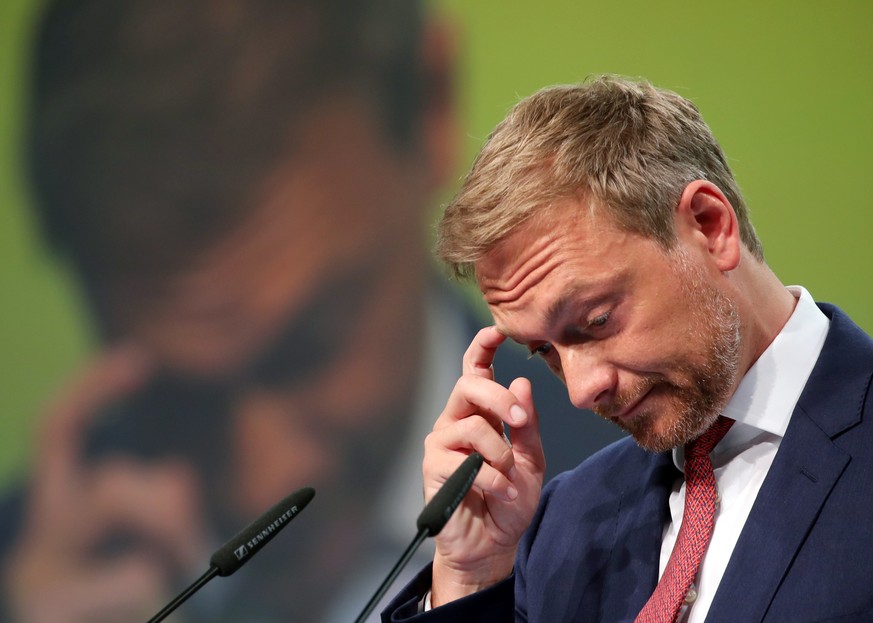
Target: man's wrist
449, 585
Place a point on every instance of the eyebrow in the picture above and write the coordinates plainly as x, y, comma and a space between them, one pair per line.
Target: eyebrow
555, 311
581, 296
559, 307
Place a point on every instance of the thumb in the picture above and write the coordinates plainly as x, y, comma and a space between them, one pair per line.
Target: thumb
526, 438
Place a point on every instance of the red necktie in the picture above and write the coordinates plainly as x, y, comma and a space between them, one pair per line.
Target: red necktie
698, 519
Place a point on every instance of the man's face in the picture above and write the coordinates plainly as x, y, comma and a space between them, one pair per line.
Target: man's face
310, 310
641, 336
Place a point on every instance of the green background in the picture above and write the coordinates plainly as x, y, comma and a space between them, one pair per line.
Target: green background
786, 86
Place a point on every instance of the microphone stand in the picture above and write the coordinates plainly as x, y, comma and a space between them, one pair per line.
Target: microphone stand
184, 595
245, 544
386, 583
431, 520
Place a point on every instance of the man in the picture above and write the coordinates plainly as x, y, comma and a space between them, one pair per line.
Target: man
607, 234
240, 187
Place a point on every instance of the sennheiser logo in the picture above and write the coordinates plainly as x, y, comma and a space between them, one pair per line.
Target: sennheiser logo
267, 532
241, 552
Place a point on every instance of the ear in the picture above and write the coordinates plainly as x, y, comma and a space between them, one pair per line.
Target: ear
705, 218
440, 120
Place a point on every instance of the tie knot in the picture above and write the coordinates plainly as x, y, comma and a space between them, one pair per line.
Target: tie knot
704, 444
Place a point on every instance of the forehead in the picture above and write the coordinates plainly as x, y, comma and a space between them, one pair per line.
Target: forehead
567, 233
575, 254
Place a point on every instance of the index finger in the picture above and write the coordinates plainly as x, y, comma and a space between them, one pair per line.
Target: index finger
112, 376
479, 357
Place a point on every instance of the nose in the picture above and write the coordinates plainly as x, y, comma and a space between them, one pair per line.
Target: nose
590, 378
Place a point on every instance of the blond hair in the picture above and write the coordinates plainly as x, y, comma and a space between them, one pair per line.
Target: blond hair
623, 145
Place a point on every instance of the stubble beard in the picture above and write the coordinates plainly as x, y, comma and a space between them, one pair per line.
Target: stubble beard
701, 389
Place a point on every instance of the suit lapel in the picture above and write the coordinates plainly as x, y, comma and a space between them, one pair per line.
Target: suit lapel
789, 501
807, 467
632, 572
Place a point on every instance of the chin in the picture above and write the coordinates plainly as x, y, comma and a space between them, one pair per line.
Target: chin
659, 432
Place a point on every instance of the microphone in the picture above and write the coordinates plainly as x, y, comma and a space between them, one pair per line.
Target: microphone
431, 521
247, 542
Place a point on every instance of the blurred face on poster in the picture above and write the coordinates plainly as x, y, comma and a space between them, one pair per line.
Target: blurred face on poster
242, 189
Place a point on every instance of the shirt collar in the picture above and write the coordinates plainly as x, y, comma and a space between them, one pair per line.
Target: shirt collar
768, 393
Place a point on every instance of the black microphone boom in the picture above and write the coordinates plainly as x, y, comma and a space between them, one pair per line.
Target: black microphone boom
431, 521
248, 542
443, 504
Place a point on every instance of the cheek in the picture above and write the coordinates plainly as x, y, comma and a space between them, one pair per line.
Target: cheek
553, 363
357, 389
275, 450
378, 365
662, 334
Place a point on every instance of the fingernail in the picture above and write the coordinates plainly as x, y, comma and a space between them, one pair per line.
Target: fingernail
511, 493
513, 472
517, 414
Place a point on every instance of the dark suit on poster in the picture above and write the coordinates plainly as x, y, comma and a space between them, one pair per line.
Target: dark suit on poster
592, 550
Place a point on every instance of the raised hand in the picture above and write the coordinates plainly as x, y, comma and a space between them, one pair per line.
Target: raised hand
56, 573
477, 547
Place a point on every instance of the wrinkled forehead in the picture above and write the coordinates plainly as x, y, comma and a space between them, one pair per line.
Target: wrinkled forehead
539, 240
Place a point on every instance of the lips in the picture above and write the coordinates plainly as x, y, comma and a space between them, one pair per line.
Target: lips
629, 411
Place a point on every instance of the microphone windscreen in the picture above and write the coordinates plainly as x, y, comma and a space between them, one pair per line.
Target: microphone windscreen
440, 508
238, 550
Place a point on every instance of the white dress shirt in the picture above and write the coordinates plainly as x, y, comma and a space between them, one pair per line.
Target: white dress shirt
761, 407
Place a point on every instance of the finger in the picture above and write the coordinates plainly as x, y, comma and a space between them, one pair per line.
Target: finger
127, 589
491, 480
475, 395
157, 502
526, 440
471, 434
113, 375
494, 482
479, 357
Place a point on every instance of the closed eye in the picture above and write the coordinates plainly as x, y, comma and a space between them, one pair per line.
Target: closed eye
542, 350
600, 320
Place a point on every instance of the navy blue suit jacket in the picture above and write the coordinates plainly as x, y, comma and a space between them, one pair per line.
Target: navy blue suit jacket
805, 554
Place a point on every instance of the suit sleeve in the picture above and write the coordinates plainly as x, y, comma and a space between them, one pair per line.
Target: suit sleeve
502, 603
492, 605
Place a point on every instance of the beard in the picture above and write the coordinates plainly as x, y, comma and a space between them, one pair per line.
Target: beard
699, 390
